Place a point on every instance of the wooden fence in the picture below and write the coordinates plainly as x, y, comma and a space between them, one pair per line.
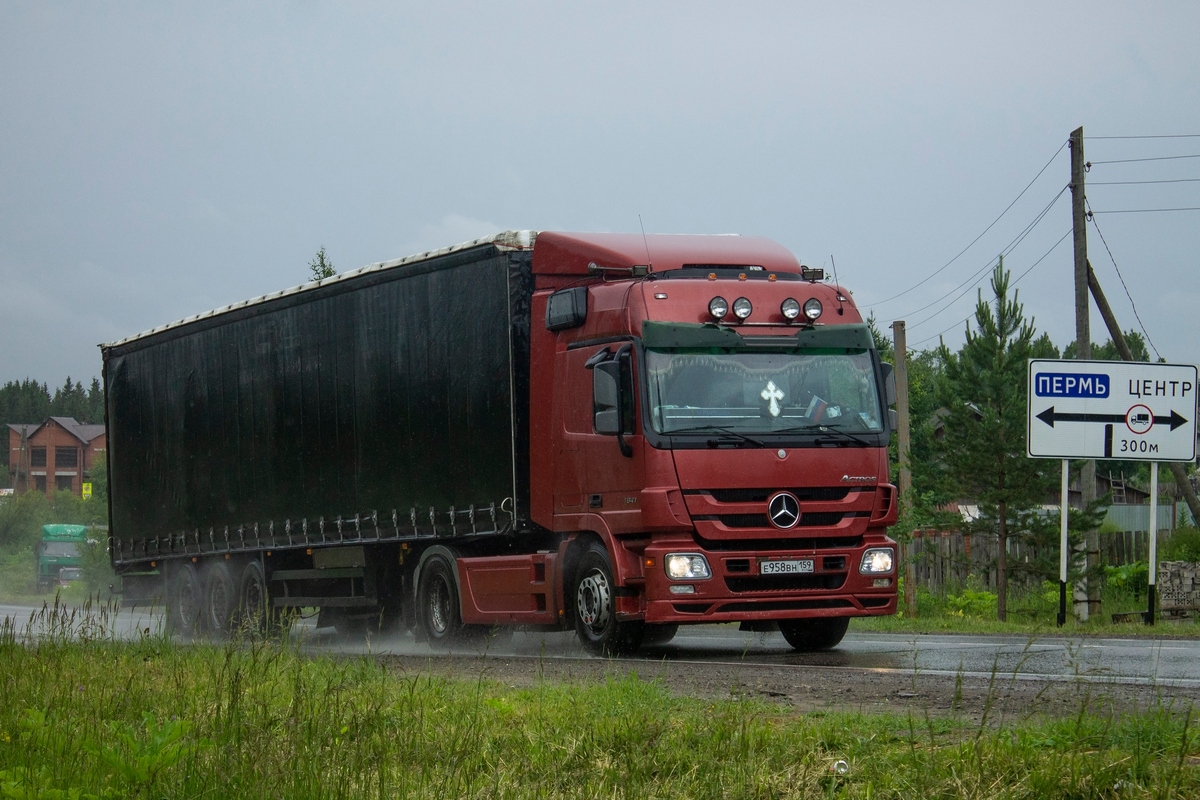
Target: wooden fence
947, 560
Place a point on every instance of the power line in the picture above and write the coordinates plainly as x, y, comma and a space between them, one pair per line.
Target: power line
1145, 210
978, 274
1157, 136
980, 236
1092, 216
1140, 183
1014, 283
1133, 160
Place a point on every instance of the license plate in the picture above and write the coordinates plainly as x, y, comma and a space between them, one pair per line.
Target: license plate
785, 567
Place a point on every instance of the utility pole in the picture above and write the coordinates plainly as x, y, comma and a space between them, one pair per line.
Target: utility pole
899, 337
1083, 350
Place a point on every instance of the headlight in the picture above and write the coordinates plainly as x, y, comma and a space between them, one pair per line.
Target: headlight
790, 309
877, 560
742, 308
718, 307
812, 308
686, 566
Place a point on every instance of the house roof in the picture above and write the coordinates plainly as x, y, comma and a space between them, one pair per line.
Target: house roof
82, 432
25, 430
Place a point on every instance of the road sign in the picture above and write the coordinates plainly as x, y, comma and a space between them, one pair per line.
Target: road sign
1112, 409
87, 491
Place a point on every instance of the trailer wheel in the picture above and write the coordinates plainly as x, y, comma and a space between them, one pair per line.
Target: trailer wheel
595, 608
220, 599
811, 635
183, 601
255, 614
437, 604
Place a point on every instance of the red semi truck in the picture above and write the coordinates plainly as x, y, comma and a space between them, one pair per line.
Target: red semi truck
616, 434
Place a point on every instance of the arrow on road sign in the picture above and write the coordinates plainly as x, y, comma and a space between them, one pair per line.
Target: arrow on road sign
1049, 417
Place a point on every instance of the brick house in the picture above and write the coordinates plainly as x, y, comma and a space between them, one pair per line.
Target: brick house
53, 455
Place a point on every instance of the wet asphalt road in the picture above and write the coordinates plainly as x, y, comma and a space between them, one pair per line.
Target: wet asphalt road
1144, 661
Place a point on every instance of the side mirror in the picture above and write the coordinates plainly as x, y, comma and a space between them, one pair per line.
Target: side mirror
606, 397
893, 419
567, 309
889, 383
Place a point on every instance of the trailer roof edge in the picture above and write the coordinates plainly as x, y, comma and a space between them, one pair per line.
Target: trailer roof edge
505, 240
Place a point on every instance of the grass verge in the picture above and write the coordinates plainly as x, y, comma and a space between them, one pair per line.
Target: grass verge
83, 715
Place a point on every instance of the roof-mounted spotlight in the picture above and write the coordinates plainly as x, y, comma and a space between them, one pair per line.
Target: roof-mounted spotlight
742, 308
812, 309
790, 309
718, 307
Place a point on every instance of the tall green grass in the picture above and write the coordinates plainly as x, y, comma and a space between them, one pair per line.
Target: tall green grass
84, 715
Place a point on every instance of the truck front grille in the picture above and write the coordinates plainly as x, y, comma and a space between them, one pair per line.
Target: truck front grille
807, 543
819, 519
827, 493
785, 583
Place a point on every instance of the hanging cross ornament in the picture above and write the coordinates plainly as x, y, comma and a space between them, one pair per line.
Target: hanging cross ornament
772, 395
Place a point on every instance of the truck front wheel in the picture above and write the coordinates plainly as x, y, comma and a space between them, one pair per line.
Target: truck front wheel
595, 608
811, 635
437, 604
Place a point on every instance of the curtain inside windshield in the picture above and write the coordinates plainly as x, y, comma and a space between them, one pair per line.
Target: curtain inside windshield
61, 549
762, 392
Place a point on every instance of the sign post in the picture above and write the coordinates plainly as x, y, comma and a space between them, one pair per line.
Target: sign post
1153, 527
1111, 409
1062, 543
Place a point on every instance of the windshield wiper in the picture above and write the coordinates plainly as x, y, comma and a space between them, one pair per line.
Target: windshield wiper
727, 431
820, 430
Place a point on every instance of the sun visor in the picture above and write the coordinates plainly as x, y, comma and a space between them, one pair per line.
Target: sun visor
685, 335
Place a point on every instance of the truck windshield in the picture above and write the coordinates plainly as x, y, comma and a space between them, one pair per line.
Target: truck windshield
762, 392
61, 550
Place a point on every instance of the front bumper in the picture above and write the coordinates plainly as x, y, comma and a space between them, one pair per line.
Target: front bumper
739, 592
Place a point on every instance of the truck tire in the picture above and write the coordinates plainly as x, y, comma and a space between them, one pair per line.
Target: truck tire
183, 601
658, 634
255, 615
219, 604
812, 635
438, 610
595, 609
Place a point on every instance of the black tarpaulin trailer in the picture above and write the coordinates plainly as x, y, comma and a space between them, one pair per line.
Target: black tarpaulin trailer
386, 404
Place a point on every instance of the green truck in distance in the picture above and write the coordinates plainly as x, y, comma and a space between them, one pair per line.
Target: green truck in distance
60, 554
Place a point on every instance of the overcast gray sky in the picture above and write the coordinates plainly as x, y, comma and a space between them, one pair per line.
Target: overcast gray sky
159, 160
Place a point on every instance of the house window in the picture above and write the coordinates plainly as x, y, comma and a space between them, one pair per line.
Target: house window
39, 481
37, 457
66, 457
63, 482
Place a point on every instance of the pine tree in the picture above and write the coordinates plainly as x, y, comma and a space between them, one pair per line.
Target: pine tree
321, 267
982, 455
95, 403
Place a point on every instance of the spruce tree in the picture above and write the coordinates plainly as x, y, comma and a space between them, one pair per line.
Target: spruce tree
983, 392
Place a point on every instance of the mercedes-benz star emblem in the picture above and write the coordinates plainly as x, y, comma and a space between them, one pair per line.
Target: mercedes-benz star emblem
784, 510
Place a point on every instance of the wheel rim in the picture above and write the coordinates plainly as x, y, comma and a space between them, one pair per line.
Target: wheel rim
187, 603
254, 601
218, 601
593, 601
439, 606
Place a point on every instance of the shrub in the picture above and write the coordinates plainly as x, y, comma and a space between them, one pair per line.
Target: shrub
972, 603
1184, 545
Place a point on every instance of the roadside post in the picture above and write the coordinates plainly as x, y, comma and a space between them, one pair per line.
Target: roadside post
1111, 409
1153, 528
